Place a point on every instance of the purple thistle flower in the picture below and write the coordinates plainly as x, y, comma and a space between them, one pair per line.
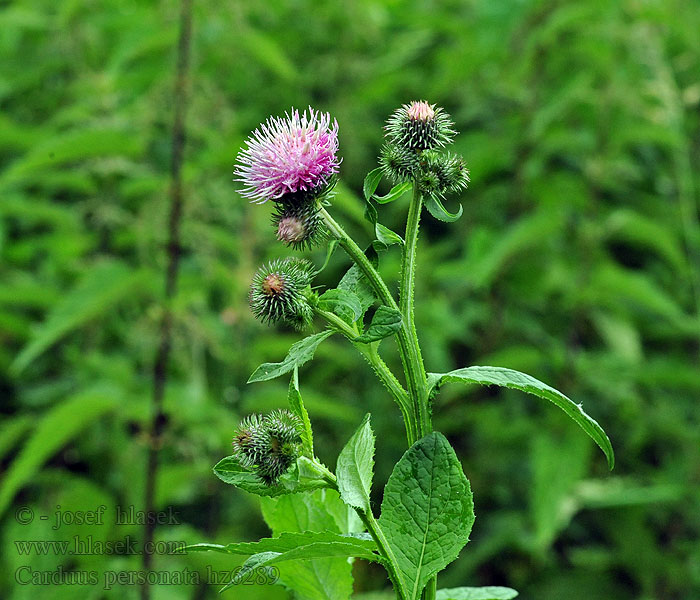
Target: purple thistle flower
288, 155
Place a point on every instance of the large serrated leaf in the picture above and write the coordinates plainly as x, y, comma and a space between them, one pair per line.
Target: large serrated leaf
385, 322
526, 383
427, 512
356, 467
477, 593
300, 353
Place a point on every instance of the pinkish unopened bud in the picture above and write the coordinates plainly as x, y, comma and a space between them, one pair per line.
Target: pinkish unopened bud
291, 230
421, 111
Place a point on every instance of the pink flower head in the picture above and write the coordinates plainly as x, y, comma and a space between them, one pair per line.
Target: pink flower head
287, 155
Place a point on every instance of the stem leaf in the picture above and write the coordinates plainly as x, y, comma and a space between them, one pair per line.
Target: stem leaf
371, 183
437, 209
344, 303
296, 404
427, 512
316, 545
355, 468
477, 593
300, 353
385, 322
230, 471
526, 383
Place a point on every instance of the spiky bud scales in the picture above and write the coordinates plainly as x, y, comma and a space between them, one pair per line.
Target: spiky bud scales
268, 445
299, 224
419, 126
278, 292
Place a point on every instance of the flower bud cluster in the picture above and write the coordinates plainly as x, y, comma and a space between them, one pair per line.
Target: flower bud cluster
281, 292
268, 445
415, 134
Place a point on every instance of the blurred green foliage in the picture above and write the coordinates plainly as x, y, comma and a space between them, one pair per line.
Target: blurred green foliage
577, 260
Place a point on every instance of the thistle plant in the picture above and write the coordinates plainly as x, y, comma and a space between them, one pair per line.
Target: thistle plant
427, 510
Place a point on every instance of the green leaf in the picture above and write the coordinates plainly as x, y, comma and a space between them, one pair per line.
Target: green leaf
319, 579
427, 512
354, 281
385, 322
55, 429
344, 303
371, 183
477, 593
526, 383
395, 193
300, 353
316, 547
100, 289
386, 236
355, 467
230, 471
297, 405
438, 210
332, 245
290, 540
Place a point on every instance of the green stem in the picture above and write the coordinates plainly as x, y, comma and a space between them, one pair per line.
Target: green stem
370, 523
384, 549
406, 294
412, 364
369, 352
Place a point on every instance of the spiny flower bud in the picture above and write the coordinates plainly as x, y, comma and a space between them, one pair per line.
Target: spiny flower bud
249, 441
278, 292
299, 224
449, 170
398, 164
420, 126
268, 445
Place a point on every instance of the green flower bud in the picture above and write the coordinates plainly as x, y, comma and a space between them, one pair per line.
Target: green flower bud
279, 292
398, 164
268, 445
249, 441
299, 224
449, 169
420, 126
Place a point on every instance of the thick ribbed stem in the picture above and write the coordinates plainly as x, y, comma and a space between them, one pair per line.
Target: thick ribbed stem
406, 293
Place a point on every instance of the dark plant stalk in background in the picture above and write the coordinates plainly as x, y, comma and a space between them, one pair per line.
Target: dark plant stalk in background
173, 251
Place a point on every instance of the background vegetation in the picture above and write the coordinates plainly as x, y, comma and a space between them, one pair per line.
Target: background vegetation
577, 260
